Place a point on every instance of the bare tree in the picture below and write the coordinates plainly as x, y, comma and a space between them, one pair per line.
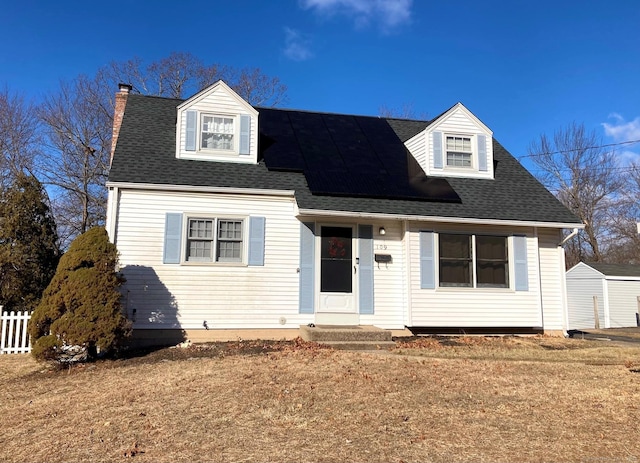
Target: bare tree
174, 76
583, 175
180, 75
78, 121
18, 137
625, 243
254, 87
406, 111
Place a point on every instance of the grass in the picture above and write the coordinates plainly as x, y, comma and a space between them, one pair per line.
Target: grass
447, 399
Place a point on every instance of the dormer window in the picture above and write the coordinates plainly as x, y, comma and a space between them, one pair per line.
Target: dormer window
455, 144
459, 151
217, 125
217, 132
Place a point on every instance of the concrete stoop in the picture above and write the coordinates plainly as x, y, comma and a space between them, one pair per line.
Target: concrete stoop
355, 337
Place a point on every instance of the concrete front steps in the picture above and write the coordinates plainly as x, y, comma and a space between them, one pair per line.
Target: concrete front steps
352, 337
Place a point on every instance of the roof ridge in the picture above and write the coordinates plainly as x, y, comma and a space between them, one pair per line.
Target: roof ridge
158, 97
329, 113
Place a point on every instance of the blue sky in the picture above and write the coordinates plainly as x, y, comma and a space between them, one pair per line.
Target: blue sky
524, 68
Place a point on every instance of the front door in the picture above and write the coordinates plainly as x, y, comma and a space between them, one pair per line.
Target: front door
337, 270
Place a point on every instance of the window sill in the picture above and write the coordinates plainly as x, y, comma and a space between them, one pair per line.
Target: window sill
211, 156
466, 289
213, 264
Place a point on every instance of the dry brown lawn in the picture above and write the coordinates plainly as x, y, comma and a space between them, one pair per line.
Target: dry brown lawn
451, 399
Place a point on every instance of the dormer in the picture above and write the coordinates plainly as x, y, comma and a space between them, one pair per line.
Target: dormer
217, 125
455, 144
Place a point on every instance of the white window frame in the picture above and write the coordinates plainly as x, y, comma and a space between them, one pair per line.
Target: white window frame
472, 151
236, 133
215, 258
509, 272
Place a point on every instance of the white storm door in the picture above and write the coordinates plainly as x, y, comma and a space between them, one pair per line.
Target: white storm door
337, 275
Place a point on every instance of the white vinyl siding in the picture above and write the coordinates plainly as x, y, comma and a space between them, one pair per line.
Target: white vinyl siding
617, 298
184, 296
417, 146
459, 125
389, 280
551, 279
473, 307
623, 302
222, 104
583, 283
458, 122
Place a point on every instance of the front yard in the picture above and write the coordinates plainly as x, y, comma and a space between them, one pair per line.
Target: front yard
445, 399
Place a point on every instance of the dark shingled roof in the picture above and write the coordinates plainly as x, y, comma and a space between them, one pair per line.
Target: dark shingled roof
616, 270
145, 153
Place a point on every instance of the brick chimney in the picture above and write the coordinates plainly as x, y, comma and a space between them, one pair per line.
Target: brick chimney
118, 114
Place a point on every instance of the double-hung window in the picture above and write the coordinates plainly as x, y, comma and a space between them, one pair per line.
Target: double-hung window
492, 264
459, 151
473, 260
214, 240
217, 132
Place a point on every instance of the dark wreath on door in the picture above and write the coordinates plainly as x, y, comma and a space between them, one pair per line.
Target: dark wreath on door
336, 260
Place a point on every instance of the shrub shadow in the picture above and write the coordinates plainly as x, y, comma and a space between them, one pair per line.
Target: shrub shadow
152, 309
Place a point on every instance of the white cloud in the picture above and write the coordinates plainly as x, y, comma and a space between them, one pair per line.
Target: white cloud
296, 45
621, 130
388, 13
626, 157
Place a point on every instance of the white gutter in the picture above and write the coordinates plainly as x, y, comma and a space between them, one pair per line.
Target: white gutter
569, 236
200, 189
380, 216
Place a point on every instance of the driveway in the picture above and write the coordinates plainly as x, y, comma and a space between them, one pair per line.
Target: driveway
631, 334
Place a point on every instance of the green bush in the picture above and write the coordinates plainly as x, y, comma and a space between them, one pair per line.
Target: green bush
81, 305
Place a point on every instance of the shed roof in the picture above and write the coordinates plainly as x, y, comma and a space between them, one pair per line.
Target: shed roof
616, 270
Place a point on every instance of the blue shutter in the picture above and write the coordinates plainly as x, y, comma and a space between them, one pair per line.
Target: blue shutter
245, 131
427, 261
437, 150
256, 240
190, 141
482, 153
365, 268
520, 262
172, 238
307, 267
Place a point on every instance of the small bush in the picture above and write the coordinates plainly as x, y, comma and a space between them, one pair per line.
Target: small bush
81, 305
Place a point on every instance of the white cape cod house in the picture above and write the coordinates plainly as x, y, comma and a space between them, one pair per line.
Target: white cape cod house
234, 221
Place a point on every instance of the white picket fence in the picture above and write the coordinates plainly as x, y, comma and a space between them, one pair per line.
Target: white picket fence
15, 339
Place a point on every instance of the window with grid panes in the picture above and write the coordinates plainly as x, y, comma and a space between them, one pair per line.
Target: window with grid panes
200, 240
217, 132
459, 151
227, 241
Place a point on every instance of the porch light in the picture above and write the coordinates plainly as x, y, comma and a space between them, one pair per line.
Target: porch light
382, 231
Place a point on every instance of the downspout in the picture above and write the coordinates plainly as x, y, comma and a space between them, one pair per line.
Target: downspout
568, 237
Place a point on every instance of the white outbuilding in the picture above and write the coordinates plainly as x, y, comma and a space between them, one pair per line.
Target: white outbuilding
613, 288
